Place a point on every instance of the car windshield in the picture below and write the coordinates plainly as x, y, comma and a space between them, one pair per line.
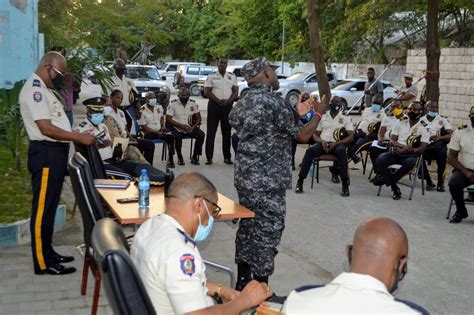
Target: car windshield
142, 73
344, 85
297, 76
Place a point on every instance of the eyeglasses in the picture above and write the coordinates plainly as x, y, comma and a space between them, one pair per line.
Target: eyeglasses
55, 70
218, 209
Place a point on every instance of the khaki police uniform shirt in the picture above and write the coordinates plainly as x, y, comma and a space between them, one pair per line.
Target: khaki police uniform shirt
388, 122
462, 141
221, 85
38, 102
152, 118
125, 85
411, 90
181, 113
87, 127
403, 130
348, 293
327, 125
119, 117
170, 266
369, 117
436, 125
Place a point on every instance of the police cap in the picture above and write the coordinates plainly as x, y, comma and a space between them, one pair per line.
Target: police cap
254, 67
95, 104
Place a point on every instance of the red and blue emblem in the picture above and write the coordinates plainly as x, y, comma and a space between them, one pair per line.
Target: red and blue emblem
187, 264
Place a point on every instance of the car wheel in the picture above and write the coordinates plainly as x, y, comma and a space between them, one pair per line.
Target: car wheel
194, 90
292, 98
243, 93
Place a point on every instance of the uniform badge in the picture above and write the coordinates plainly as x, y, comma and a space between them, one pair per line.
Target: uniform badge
59, 114
441, 122
378, 116
37, 83
191, 108
229, 77
187, 264
341, 120
37, 96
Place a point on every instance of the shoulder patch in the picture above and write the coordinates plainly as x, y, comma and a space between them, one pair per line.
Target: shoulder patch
187, 264
37, 83
423, 123
37, 96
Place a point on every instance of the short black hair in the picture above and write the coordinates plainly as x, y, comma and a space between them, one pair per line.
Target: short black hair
371, 69
115, 92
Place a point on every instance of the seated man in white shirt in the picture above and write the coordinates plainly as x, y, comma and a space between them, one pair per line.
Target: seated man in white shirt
165, 253
378, 262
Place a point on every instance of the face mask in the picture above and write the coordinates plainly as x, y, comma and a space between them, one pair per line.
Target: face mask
334, 107
397, 111
121, 71
152, 101
184, 100
97, 119
57, 81
376, 107
433, 114
203, 231
413, 115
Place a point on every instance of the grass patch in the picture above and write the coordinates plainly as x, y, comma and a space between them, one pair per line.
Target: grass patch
15, 190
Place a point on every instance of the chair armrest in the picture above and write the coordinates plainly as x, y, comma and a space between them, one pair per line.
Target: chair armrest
118, 175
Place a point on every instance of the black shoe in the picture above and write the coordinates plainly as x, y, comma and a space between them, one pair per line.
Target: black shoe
56, 270
457, 218
276, 299
194, 161
60, 259
356, 159
397, 194
170, 164
299, 188
440, 188
335, 178
430, 186
208, 162
181, 161
345, 191
240, 285
228, 161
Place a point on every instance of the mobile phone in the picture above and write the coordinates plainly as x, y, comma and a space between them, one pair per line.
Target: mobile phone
127, 200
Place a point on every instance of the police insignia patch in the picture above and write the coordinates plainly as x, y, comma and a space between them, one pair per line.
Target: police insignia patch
341, 120
37, 83
37, 96
187, 264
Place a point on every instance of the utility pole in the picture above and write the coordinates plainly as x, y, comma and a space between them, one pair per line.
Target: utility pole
283, 48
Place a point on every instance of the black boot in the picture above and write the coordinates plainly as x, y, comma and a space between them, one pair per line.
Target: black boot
299, 186
345, 188
397, 194
244, 276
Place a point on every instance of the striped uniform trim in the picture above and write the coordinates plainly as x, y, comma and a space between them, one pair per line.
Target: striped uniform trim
39, 218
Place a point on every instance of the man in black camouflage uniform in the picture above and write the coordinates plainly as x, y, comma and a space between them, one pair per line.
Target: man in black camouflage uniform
265, 125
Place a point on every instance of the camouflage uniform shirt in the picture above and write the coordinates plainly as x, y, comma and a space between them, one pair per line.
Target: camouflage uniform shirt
265, 125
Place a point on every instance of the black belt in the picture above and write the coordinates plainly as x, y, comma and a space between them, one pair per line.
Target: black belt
51, 144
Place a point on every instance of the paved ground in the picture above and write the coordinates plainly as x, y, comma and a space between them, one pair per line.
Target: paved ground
318, 226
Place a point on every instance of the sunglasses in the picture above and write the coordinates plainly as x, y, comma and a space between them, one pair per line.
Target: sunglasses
218, 209
55, 70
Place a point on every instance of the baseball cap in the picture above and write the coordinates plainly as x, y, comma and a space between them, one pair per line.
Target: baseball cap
254, 67
408, 75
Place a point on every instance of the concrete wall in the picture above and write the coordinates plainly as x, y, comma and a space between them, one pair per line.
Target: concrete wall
19, 48
456, 81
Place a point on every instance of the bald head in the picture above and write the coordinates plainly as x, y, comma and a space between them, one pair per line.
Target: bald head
52, 64
53, 58
191, 184
378, 247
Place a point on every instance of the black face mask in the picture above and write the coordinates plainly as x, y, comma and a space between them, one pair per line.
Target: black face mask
57, 81
184, 100
121, 71
413, 115
334, 107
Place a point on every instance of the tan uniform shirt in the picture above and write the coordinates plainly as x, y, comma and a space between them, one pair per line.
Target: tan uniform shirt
221, 85
327, 125
125, 85
88, 127
368, 117
403, 130
436, 125
181, 113
152, 118
462, 141
388, 122
411, 90
37, 102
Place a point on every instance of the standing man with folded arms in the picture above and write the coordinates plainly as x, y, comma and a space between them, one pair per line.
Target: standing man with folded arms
49, 132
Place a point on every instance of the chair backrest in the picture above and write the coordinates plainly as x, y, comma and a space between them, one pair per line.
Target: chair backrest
92, 155
123, 286
86, 194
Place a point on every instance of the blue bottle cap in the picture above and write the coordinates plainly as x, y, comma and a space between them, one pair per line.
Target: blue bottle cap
144, 172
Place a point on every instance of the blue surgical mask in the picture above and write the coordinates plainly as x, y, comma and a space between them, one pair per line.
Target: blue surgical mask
152, 101
203, 231
97, 119
376, 107
433, 114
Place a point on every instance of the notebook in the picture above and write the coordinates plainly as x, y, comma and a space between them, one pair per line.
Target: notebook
111, 183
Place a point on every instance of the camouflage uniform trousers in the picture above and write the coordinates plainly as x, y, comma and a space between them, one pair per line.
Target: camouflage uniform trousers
257, 238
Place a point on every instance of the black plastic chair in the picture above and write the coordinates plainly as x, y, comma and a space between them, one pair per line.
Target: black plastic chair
123, 285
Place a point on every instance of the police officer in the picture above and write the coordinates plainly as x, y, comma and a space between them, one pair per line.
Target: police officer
221, 88
168, 260
440, 133
265, 125
49, 132
152, 121
371, 116
332, 123
461, 157
401, 151
184, 116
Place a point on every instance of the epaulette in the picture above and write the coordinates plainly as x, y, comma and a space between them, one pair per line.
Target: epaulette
83, 124
404, 118
174, 101
36, 82
187, 238
192, 100
462, 127
309, 287
423, 123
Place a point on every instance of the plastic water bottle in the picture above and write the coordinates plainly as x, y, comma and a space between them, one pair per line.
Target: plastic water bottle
143, 191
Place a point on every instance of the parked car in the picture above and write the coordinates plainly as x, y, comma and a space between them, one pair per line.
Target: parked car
299, 82
147, 78
105, 69
170, 68
189, 75
352, 89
